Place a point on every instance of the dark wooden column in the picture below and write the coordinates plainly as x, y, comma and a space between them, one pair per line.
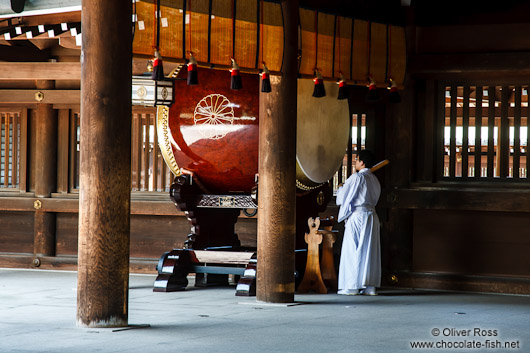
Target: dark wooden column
397, 234
277, 173
45, 165
105, 164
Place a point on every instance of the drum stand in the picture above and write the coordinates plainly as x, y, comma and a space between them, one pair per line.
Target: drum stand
212, 219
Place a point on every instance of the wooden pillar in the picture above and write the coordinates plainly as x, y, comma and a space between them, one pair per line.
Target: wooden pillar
44, 233
397, 230
105, 164
277, 173
45, 165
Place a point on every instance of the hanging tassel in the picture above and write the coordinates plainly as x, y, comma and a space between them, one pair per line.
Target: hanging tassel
235, 81
373, 93
393, 96
319, 90
158, 67
193, 78
343, 89
265, 80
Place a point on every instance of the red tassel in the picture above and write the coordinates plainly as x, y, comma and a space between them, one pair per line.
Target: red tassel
265, 80
193, 78
373, 93
319, 90
393, 96
158, 67
235, 81
343, 89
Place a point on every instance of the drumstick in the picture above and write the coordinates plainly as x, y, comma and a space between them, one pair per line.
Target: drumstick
379, 165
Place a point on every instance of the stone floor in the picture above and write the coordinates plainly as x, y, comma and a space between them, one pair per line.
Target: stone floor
38, 314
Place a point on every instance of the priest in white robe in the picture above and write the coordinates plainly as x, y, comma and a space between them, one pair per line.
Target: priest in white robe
360, 260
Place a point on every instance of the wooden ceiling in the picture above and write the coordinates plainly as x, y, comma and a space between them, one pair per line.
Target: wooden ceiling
470, 12
382, 11
26, 38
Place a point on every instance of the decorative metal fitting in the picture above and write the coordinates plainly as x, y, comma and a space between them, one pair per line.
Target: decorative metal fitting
37, 204
39, 96
36, 262
321, 198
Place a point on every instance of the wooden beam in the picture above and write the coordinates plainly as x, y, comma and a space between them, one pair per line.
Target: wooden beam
70, 204
462, 282
40, 71
500, 200
480, 66
22, 51
23, 96
67, 262
51, 19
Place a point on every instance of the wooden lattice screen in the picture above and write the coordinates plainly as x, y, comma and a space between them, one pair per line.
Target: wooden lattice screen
149, 171
9, 149
485, 132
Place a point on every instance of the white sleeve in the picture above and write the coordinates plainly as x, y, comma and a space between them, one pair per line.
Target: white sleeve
346, 194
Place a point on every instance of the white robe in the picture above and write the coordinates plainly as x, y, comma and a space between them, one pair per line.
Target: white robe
360, 261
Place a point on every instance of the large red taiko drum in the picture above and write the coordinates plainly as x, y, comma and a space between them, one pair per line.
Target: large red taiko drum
212, 131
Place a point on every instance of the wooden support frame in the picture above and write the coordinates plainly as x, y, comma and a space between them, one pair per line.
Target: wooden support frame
528, 144
517, 132
441, 198
503, 144
465, 132
491, 129
277, 155
40, 71
63, 138
45, 96
452, 139
478, 133
105, 171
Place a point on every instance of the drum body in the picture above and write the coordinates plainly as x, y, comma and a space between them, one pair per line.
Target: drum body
212, 131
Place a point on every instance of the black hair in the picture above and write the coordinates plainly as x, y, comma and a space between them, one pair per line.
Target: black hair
368, 157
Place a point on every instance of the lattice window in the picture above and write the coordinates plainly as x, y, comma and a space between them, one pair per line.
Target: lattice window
485, 133
75, 132
9, 150
149, 171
